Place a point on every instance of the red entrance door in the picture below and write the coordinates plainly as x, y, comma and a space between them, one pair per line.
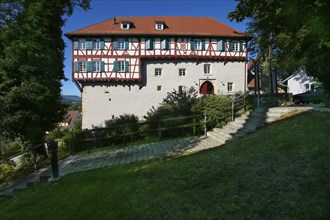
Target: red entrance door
207, 88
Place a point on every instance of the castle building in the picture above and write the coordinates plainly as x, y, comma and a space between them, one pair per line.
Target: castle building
126, 65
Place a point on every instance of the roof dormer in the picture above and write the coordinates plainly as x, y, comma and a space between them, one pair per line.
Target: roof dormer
125, 25
159, 25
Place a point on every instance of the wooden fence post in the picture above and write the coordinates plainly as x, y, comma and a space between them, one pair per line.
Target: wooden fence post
159, 130
194, 127
233, 110
205, 130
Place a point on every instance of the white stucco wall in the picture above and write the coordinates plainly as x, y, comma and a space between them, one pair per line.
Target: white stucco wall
108, 100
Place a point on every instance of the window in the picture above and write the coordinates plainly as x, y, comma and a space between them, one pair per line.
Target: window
121, 44
230, 86
121, 66
82, 45
82, 66
197, 44
180, 89
158, 72
96, 66
312, 87
159, 26
159, 88
165, 44
124, 25
207, 68
96, 45
89, 66
235, 46
221, 45
182, 72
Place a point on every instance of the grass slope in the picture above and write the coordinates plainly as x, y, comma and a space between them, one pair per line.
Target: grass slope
280, 172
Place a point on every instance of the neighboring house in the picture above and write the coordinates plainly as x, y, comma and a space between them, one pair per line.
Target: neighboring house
70, 119
299, 82
129, 64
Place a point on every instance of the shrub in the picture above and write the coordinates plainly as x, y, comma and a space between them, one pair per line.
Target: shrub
217, 109
184, 96
175, 104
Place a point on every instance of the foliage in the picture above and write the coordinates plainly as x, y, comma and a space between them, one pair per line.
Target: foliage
31, 67
73, 106
184, 96
126, 119
294, 32
175, 104
217, 110
284, 176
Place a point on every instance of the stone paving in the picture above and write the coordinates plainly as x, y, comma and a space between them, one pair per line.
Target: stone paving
122, 156
127, 155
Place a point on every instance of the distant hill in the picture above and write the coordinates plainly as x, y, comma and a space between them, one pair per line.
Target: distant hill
71, 99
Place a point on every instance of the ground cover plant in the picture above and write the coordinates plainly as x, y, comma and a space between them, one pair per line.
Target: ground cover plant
279, 172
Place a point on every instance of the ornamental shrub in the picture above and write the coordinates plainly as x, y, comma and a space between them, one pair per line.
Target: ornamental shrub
217, 109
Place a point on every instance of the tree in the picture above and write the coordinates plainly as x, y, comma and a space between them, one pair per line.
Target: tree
31, 66
295, 30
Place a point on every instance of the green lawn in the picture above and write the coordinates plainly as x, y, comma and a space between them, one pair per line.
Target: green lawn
280, 172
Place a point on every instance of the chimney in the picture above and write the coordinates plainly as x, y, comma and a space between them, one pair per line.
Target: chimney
114, 20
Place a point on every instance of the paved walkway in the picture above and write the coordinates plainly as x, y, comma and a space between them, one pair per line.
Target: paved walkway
121, 156
127, 155
97, 160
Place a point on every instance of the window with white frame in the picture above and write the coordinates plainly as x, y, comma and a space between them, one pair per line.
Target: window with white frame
82, 45
230, 86
96, 66
121, 66
159, 26
235, 46
121, 44
159, 88
96, 45
198, 44
180, 89
82, 66
158, 72
182, 72
207, 69
124, 25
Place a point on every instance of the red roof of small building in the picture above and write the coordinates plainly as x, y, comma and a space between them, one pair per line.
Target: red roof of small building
173, 26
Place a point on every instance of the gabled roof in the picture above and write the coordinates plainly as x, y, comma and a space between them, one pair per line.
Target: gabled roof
175, 26
71, 118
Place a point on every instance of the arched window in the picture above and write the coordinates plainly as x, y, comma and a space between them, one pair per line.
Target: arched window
206, 88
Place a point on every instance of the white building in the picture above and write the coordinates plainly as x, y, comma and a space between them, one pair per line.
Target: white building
299, 82
128, 64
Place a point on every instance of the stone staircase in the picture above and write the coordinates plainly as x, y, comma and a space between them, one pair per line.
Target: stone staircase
241, 126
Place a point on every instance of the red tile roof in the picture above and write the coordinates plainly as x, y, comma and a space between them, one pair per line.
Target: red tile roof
174, 26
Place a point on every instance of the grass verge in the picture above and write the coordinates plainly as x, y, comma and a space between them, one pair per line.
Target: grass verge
280, 172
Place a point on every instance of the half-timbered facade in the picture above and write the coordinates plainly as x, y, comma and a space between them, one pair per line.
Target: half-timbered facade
128, 64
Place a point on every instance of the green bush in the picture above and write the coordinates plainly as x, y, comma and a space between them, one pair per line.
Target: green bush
217, 109
119, 128
72, 142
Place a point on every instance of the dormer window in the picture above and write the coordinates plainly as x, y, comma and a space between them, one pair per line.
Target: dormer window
125, 25
159, 25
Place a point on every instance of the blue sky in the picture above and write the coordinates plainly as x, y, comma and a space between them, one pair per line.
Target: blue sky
104, 9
